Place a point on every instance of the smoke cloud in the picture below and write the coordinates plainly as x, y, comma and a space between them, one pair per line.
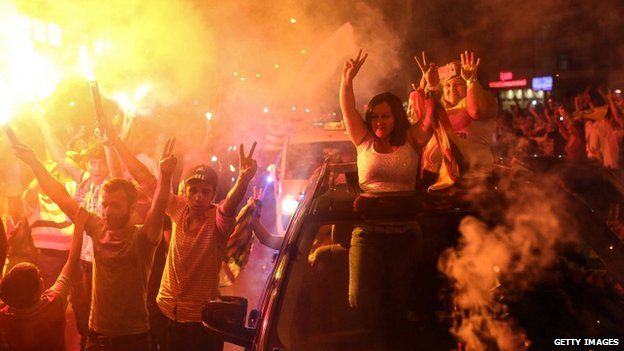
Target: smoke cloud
509, 258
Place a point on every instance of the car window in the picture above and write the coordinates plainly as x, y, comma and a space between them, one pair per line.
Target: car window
314, 313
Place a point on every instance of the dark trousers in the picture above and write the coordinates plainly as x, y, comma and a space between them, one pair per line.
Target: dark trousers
134, 342
381, 267
191, 337
81, 299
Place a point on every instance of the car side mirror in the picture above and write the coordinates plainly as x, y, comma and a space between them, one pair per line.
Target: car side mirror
224, 317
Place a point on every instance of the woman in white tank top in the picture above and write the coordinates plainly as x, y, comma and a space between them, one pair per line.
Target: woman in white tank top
381, 258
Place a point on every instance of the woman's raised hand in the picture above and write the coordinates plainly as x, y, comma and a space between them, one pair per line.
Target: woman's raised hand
469, 65
352, 66
429, 72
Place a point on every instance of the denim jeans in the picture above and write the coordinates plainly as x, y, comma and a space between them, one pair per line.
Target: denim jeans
381, 270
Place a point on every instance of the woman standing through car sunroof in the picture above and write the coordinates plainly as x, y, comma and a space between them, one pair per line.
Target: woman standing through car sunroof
388, 155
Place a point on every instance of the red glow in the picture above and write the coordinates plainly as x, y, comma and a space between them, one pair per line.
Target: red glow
505, 75
509, 83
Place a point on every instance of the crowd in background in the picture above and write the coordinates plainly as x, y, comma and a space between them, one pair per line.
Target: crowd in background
589, 127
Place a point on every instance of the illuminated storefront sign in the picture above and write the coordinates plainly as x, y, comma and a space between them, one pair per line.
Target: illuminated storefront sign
543, 83
508, 83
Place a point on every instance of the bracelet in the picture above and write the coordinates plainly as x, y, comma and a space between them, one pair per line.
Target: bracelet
470, 81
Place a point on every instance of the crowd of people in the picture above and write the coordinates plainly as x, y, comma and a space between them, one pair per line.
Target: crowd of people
137, 245
589, 127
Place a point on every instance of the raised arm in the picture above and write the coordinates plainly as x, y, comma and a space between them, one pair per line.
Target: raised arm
263, 235
356, 128
480, 104
50, 185
80, 220
247, 170
423, 100
156, 214
138, 171
3, 246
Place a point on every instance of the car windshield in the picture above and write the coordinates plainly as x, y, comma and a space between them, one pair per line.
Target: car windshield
303, 159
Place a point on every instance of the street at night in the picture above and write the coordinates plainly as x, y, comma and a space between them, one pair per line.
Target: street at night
311, 175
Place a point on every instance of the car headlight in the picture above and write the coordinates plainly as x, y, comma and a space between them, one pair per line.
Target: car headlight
289, 205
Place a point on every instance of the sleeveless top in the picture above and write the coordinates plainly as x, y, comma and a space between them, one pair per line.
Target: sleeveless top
380, 172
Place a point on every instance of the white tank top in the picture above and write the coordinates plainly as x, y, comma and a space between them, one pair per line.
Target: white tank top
380, 172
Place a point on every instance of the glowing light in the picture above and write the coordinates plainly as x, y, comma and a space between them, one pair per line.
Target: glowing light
561, 118
85, 63
213, 158
72, 104
618, 91
611, 247
242, 79
304, 51
233, 179
276, 66
496, 269
235, 74
266, 110
269, 179
289, 205
293, 20
27, 73
208, 115
293, 108
307, 110
232, 168
270, 167
257, 75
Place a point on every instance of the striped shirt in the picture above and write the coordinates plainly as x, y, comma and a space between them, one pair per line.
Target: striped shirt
191, 275
50, 227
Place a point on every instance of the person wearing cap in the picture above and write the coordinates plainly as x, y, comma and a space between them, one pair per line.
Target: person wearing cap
197, 245
32, 317
198, 242
123, 252
472, 112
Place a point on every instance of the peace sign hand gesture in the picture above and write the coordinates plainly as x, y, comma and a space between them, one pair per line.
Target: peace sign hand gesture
469, 65
247, 165
352, 67
168, 161
429, 71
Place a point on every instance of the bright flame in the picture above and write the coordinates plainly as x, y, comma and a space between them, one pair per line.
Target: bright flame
208, 115
28, 75
86, 64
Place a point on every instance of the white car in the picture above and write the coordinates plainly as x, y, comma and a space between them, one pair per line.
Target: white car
304, 151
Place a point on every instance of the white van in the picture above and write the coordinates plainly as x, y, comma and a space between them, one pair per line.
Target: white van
304, 151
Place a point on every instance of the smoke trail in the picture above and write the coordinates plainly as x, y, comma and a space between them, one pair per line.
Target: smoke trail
510, 257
